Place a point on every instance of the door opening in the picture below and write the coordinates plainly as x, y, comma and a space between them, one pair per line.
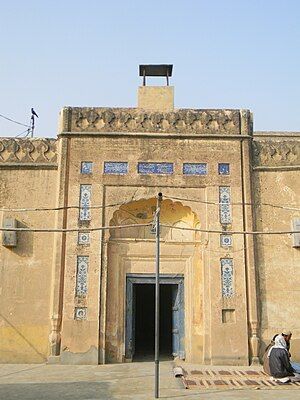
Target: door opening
140, 317
145, 321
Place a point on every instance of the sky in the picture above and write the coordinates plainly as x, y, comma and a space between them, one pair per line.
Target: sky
226, 54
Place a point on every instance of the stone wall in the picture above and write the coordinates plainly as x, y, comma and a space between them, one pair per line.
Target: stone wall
39, 276
28, 179
276, 178
208, 337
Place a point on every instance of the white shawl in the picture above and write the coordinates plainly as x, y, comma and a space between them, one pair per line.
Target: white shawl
280, 343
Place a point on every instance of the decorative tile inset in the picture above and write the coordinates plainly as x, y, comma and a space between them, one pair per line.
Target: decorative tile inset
224, 168
80, 313
84, 238
194, 169
82, 275
227, 277
85, 202
225, 208
86, 167
155, 168
118, 168
226, 240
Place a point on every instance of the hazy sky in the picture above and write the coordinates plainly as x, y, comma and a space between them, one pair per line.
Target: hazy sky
226, 54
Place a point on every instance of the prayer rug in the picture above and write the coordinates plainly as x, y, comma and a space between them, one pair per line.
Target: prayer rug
231, 379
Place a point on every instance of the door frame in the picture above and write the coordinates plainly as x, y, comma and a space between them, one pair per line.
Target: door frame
164, 279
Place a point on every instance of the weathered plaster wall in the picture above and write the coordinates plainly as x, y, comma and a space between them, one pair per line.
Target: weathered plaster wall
27, 180
213, 338
276, 179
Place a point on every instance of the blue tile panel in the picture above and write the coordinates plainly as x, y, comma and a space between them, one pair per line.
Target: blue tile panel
225, 207
86, 167
155, 168
82, 275
85, 202
80, 313
227, 277
115, 167
224, 169
84, 238
226, 240
194, 169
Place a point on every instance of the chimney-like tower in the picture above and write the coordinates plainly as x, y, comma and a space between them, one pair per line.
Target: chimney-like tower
156, 98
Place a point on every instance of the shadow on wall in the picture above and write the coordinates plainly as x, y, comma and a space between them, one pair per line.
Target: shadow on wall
24, 338
25, 242
260, 263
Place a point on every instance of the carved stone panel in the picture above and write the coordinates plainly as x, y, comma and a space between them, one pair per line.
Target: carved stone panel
279, 152
138, 120
28, 151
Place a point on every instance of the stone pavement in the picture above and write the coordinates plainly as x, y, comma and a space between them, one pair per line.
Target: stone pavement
119, 381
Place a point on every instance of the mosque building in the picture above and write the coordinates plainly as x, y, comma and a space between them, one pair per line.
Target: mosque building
72, 292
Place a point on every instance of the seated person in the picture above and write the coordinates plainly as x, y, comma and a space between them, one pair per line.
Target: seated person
266, 366
287, 337
279, 363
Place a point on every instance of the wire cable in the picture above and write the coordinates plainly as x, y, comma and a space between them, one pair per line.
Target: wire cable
12, 120
231, 232
233, 204
22, 133
53, 230
101, 228
61, 208
4, 209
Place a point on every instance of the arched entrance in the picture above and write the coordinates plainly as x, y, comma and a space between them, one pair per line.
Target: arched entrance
130, 284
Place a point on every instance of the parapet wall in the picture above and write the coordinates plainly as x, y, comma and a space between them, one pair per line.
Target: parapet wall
277, 150
28, 152
136, 120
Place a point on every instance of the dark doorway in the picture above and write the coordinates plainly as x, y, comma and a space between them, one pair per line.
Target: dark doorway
140, 317
144, 299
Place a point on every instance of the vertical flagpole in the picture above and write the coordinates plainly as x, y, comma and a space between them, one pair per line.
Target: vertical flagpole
157, 231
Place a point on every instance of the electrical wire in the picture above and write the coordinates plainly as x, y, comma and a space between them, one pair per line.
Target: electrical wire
27, 133
101, 228
58, 230
4, 209
12, 120
283, 207
231, 232
59, 208
233, 204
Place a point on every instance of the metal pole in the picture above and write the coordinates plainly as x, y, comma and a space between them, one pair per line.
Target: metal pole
32, 125
156, 360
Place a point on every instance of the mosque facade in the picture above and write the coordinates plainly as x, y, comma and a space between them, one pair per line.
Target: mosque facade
77, 276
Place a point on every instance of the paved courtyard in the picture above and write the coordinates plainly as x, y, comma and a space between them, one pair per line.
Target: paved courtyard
118, 381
